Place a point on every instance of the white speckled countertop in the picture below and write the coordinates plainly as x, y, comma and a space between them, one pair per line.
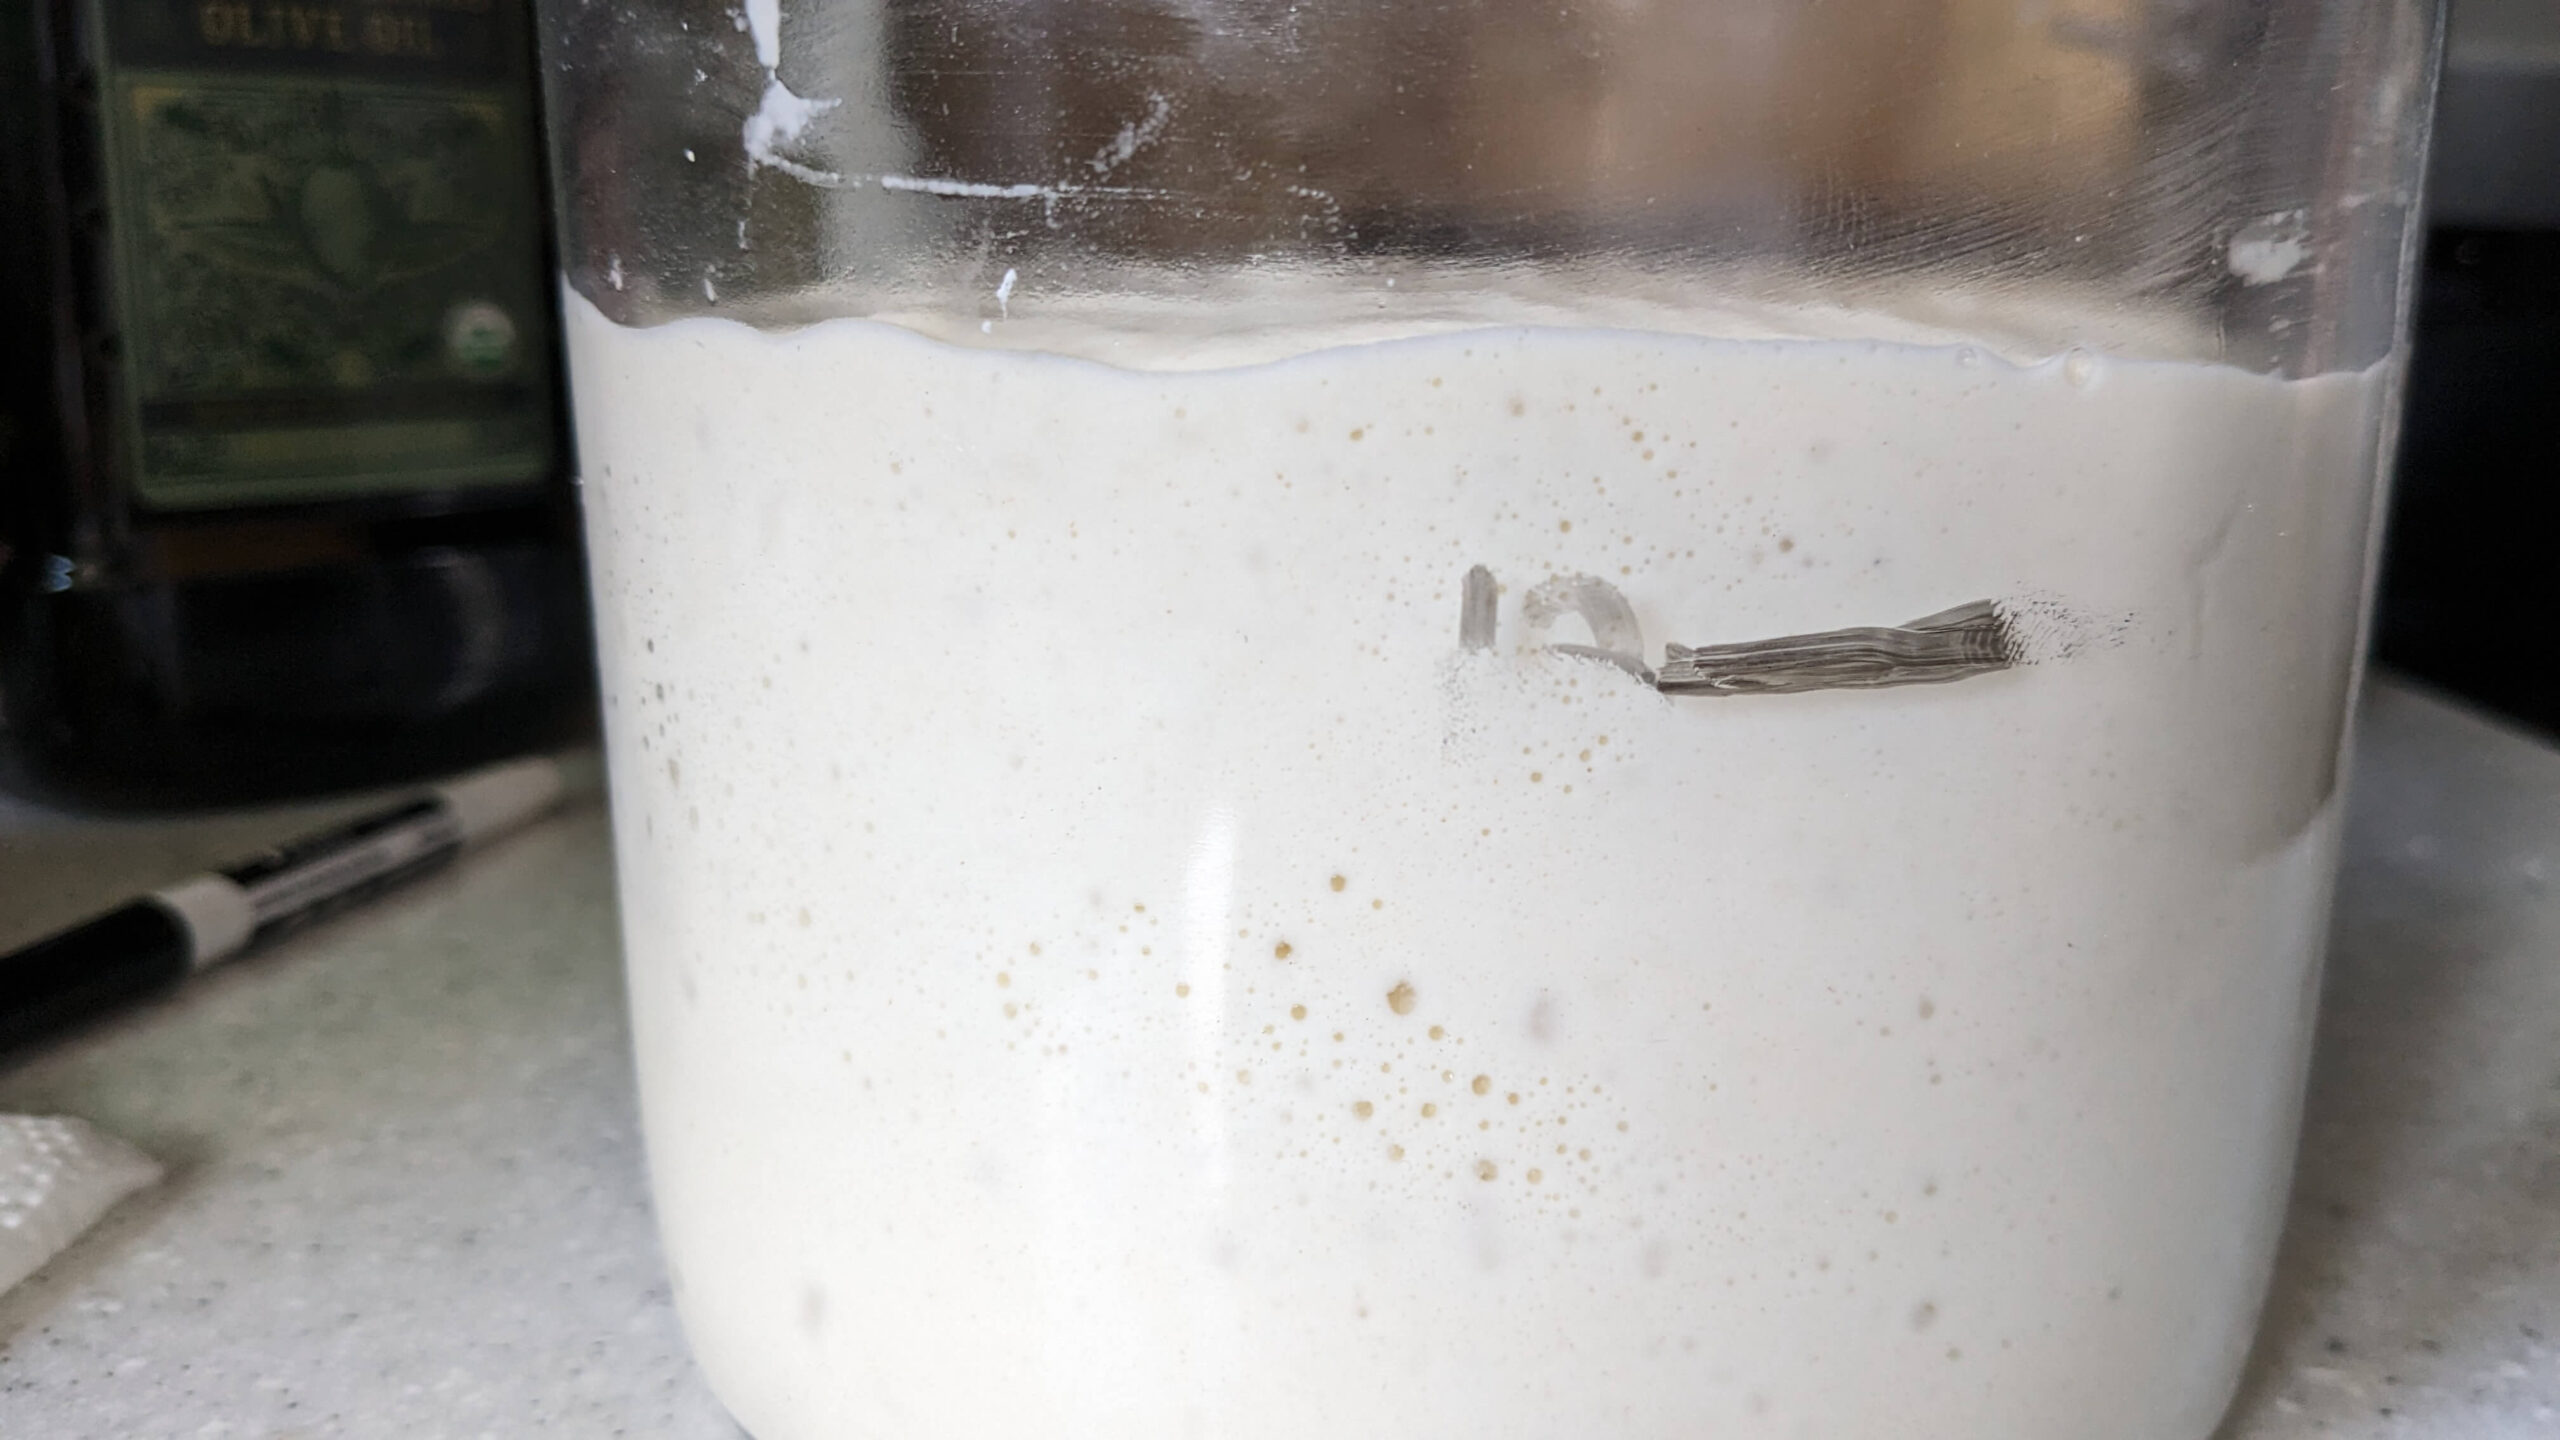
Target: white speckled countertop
405, 1194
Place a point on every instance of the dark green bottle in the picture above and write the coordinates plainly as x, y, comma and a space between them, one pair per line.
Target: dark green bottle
283, 464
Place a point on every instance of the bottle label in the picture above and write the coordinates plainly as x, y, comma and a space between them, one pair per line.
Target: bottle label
329, 278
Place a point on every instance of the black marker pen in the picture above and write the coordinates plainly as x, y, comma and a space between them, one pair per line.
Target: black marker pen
159, 939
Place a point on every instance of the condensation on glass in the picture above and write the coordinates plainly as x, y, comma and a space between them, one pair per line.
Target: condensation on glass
2244, 168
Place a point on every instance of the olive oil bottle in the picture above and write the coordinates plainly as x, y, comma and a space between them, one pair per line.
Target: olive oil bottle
284, 497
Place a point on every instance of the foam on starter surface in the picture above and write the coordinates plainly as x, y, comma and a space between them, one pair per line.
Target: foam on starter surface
1108, 961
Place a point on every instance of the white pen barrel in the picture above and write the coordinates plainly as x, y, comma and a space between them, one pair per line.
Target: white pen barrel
498, 799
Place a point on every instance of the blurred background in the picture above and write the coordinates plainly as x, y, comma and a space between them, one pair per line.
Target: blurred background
2470, 586
285, 503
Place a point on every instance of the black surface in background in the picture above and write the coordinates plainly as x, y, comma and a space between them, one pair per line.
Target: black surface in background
2471, 572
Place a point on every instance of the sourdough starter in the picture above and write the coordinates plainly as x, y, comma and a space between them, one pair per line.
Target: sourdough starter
1107, 962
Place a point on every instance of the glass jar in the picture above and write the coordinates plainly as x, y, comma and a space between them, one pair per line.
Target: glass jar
1404, 720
